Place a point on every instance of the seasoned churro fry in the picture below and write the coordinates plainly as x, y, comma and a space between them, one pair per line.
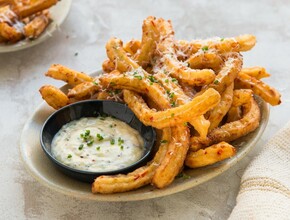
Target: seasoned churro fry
218, 112
205, 60
25, 10
135, 83
257, 71
171, 117
68, 75
210, 155
174, 159
232, 131
83, 90
148, 44
266, 92
220, 45
53, 96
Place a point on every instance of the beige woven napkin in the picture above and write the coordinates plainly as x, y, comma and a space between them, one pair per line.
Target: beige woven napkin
265, 185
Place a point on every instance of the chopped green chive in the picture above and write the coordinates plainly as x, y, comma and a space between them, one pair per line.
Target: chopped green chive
163, 141
90, 143
98, 148
122, 147
205, 48
174, 80
222, 39
167, 80
183, 175
120, 141
100, 137
96, 83
81, 147
69, 156
173, 104
216, 82
112, 141
138, 77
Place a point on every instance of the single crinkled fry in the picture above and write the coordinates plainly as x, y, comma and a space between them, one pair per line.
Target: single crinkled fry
217, 114
83, 91
173, 161
25, 10
68, 75
266, 92
257, 71
234, 130
171, 117
53, 96
205, 60
134, 83
150, 35
210, 155
220, 45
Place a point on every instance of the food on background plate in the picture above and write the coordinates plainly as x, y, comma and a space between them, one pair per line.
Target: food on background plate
20, 19
196, 93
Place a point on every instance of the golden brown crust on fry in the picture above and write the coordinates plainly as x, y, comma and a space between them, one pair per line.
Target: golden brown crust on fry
9, 33
174, 159
266, 92
83, 91
257, 71
53, 96
68, 75
210, 155
232, 131
36, 26
25, 10
171, 117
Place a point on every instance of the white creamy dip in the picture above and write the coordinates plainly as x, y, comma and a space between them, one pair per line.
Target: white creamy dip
97, 144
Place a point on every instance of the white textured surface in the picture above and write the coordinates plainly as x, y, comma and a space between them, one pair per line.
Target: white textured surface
85, 32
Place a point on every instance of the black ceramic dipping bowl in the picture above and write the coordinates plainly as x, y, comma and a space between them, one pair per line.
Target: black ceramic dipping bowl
94, 108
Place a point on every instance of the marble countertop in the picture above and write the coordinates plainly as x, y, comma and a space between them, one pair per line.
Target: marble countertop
79, 44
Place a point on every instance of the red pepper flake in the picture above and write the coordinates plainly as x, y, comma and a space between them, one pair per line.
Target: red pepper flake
220, 151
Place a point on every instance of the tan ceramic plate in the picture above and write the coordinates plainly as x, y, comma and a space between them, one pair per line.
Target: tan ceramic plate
58, 14
40, 167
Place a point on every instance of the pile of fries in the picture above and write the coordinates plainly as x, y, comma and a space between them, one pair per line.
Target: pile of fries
196, 94
20, 19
